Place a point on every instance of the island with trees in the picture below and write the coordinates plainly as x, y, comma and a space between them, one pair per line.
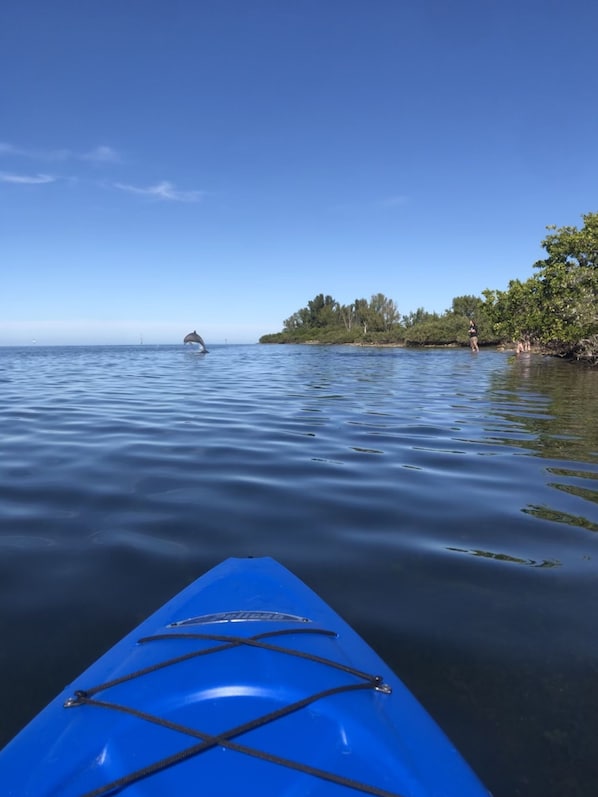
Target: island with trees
555, 310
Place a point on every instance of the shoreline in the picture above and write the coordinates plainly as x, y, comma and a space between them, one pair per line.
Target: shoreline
373, 345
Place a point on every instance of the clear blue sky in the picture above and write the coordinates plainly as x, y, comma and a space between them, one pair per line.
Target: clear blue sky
168, 165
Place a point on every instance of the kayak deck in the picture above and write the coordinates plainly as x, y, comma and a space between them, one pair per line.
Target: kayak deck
244, 682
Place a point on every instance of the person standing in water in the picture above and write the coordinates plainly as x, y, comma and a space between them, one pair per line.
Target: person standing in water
473, 336
524, 345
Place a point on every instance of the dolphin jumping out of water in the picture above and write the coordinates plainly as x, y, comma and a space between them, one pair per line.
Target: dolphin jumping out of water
193, 337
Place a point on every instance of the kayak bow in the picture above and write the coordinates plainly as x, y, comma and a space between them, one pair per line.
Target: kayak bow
246, 682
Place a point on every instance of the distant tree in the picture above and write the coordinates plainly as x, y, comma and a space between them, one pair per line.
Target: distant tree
293, 322
383, 312
557, 306
362, 314
326, 320
569, 282
418, 317
346, 313
467, 306
572, 246
322, 311
515, 313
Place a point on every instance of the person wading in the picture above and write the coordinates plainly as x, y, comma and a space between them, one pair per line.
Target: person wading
473, 336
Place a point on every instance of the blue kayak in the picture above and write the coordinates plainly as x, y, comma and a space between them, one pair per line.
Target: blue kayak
245, 683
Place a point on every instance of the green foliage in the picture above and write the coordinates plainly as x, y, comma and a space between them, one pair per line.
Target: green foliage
452, 327
572, 246
327, 321
467, 306
434, 331
320, 312
556, 307
377, 321
418, 317
569, 283
514, 313
383, 313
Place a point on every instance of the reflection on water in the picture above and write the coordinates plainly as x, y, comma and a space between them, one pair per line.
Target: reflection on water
582, 492
444, 503
565, 430
546, 513
503, 557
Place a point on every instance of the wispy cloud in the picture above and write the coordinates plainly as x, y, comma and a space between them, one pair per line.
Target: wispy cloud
27, 179
100, 154
7, 149
34, 154
163, 190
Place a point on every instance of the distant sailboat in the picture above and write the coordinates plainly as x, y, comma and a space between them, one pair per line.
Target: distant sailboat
193, 337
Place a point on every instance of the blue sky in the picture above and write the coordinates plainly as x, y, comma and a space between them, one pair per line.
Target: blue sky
168, 165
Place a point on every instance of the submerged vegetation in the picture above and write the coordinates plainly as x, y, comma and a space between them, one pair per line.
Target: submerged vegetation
555, 309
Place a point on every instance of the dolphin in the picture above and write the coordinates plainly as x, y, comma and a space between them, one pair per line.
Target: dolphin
193, 337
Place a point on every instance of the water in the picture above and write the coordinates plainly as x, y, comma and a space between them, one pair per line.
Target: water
444, 503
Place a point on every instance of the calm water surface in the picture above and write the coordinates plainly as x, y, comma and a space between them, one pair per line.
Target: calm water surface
446, 504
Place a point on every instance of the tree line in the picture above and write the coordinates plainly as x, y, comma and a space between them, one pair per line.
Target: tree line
555, 309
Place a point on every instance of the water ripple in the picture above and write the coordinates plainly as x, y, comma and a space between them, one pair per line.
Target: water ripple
445, 504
